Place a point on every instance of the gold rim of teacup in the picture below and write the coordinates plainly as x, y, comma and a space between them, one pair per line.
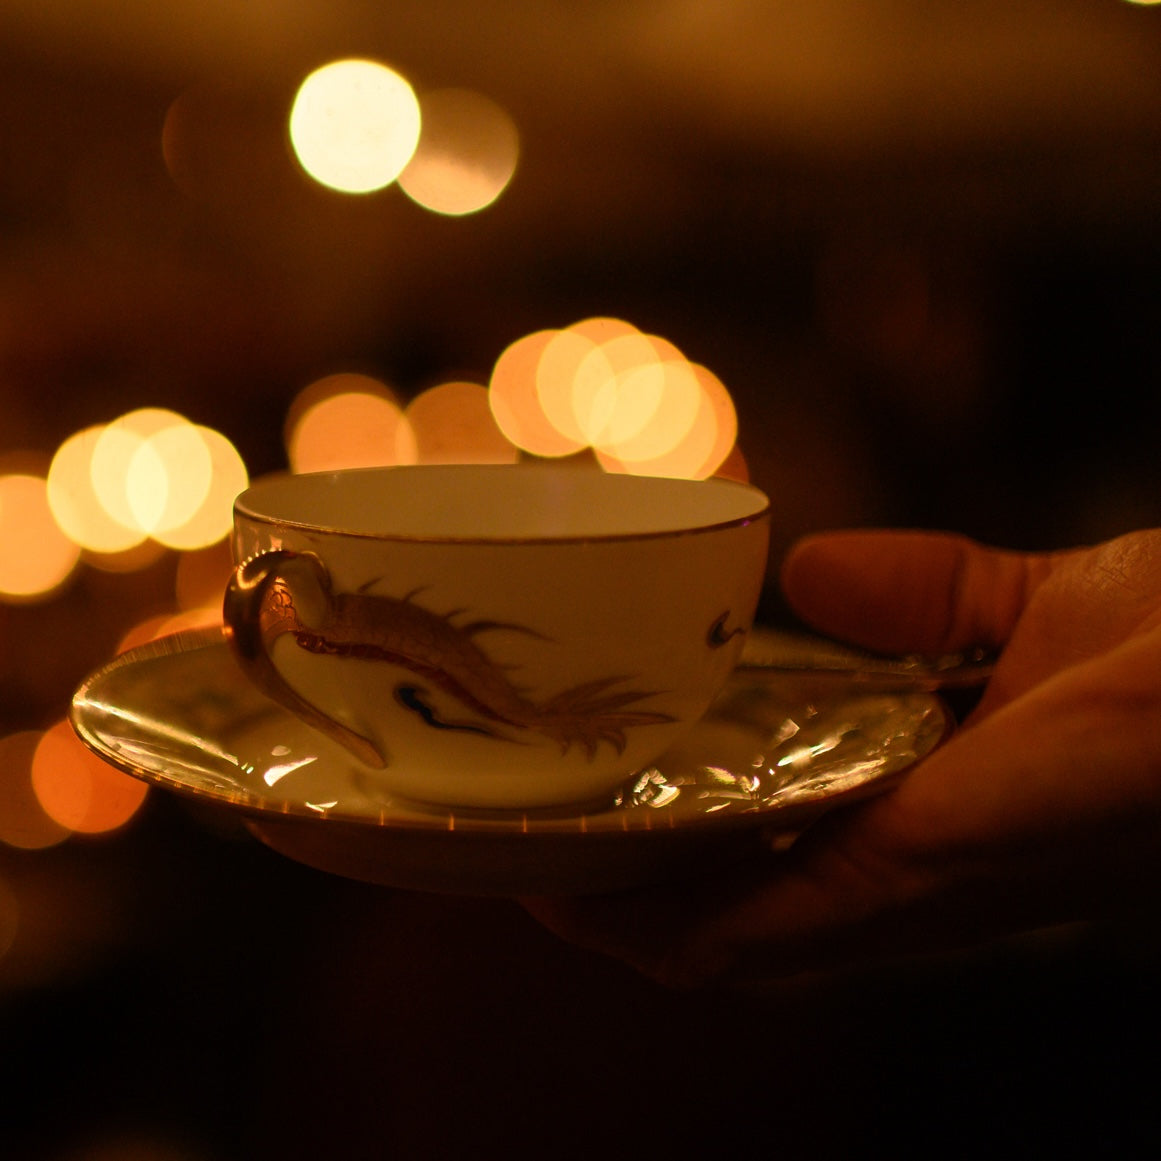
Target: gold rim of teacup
541, 538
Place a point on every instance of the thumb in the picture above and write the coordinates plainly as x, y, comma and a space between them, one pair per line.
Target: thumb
910, 592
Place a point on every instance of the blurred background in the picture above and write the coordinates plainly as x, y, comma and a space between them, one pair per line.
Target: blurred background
905, 255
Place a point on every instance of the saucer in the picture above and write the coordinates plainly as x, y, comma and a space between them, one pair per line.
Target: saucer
776, 749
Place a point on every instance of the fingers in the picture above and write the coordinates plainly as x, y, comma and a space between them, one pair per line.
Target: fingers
831, 901
904, 592
816, 908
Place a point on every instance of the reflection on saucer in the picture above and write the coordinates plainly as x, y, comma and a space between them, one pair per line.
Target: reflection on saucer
775, 751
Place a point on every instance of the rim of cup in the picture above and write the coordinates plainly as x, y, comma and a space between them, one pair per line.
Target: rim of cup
259, 504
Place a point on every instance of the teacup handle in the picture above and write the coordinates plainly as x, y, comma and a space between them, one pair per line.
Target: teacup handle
251, 631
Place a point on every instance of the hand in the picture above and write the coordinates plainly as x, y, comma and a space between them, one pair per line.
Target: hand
1045, 806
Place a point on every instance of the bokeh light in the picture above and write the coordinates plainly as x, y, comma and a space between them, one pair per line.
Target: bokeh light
149, 480
23, 821
73, 498
178, 137
706, 445
211, 520
466, 156
603, 329
144, 631
166, 624
204, 617
202, 574
556, 377
347, 421
340, 383
141, 556
633, 398
618, 389
113, 456
168, 479
453, 424
515, 404
38, 556
77, 789
653, 408
734, 466
206, 143
354, 125
602, 385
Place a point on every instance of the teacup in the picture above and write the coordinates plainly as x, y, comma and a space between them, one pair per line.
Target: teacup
510, 637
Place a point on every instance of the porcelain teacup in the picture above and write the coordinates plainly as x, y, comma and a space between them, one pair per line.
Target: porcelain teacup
508, 637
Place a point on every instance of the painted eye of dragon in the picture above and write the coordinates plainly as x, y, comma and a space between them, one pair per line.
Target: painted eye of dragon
446, 657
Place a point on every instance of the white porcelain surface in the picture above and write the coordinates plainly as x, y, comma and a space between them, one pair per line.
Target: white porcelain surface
774, 752
496, 636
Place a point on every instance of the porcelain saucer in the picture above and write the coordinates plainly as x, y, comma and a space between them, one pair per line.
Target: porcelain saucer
775, 750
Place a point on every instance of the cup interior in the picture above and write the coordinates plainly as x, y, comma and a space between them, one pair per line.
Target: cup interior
499, 502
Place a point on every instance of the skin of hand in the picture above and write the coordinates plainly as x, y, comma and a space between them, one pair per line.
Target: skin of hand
1044, 807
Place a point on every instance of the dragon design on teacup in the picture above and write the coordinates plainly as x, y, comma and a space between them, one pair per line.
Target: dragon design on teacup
447, 656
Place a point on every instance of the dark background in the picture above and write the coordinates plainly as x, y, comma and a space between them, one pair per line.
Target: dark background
920, 244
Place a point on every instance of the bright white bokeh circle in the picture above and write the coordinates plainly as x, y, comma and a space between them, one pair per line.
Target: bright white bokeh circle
354, 125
